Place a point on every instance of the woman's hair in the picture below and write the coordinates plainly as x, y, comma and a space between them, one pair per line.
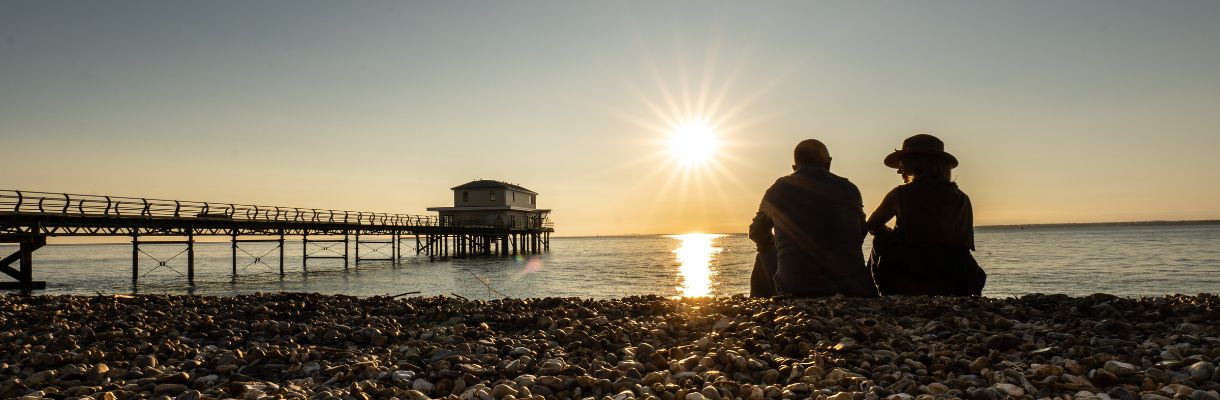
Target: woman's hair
920, 167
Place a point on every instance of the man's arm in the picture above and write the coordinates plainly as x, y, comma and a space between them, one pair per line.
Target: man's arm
760, 230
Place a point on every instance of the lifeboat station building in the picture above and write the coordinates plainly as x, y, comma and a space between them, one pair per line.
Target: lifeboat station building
494, 204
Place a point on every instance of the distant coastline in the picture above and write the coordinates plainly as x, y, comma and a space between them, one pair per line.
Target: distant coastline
983, 227
1102, 224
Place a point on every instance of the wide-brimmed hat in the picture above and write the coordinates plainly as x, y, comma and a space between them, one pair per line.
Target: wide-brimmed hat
920, 144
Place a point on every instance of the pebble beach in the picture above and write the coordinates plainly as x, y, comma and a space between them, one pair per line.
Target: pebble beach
293, 345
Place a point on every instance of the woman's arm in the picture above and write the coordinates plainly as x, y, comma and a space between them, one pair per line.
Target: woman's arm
886, 211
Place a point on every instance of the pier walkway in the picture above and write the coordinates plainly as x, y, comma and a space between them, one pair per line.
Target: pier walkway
27, 218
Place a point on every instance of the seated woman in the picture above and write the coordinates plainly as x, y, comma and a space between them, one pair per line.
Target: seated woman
928, 251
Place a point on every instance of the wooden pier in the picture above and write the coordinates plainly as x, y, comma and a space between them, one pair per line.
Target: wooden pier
28, 218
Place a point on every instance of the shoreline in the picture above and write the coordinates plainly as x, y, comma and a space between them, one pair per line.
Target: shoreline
298, 345
120, 240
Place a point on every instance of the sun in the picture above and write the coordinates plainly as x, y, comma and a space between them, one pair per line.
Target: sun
693, 143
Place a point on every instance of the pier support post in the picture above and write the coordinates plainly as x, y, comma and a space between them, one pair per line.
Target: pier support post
24, 273
190, 258
281, 253
135, 260
234, 253
304, 252
345, 246
357, 248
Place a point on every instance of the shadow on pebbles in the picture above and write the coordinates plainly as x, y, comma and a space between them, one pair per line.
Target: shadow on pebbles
318, 346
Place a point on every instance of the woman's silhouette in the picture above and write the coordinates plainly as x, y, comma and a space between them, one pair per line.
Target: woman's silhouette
928, 251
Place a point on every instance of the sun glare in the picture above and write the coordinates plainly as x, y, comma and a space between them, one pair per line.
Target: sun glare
695, 255
693, 143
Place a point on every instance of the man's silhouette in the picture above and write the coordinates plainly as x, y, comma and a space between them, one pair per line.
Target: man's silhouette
818, 221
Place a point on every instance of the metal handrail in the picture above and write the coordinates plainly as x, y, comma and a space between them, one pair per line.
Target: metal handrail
46, 203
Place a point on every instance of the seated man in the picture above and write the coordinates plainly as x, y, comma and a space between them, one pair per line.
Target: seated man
818, 221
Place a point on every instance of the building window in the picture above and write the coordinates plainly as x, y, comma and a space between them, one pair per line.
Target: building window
533, 199
514, 197
493, 195
465, 196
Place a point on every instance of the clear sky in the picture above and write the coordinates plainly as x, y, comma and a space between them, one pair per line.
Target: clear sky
1060, 111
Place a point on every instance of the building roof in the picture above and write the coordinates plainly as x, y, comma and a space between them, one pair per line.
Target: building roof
491, 208
490, 184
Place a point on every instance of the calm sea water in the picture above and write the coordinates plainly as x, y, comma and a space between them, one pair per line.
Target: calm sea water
1122, 260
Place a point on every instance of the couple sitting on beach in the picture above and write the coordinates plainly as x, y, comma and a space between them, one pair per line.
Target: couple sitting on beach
810, 227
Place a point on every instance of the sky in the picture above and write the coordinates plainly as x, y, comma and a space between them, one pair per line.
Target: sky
1080, 111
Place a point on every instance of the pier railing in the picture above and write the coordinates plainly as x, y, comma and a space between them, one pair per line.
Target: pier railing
67, 204
87, 205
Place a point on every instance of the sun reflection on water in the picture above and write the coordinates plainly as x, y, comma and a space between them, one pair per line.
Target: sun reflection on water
694, 255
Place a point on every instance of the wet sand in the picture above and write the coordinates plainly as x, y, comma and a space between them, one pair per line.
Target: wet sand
320, 346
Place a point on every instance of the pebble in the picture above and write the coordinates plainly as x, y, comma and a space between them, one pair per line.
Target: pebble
1009, 389
1120, 369
840, 396
292, 345
171, 389
937, 388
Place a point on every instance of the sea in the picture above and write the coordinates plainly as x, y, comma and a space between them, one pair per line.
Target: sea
1129, 260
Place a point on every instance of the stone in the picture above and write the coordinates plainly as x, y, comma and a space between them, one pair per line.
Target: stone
1204, 395
415, 395
653, 377
840, 396
403, 377
1009, 389
502, 390
180, 377
644, 350
1102, 377
552, 366
40, 378
99, 370
169, 389
986, 394
770, 377
979, 364
755, 393
1003, 342
423, 386
814, 372
1119, 393
1120, 369
937, 388
144, 361
1200, 371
